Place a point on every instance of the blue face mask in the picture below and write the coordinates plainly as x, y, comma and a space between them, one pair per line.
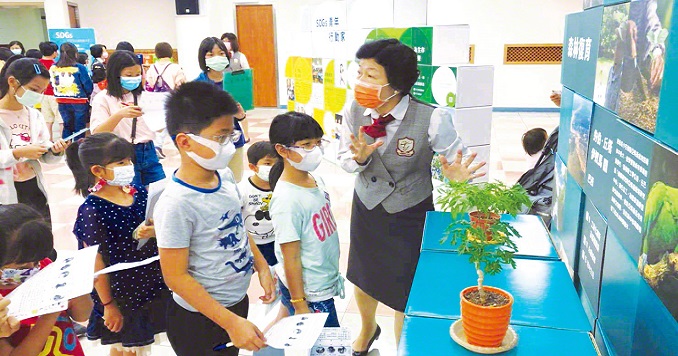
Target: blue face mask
130, 83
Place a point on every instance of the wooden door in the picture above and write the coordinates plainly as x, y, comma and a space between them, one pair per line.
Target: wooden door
256, 36
73, 15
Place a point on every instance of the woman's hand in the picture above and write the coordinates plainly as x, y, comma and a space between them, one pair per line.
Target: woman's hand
29, 152
113, 319
60, 146
131, 111
461, 172
360, 149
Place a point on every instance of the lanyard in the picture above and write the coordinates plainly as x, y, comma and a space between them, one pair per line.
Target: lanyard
134, 120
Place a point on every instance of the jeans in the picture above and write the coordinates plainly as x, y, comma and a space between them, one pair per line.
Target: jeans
147, 167
326, 306
75, 118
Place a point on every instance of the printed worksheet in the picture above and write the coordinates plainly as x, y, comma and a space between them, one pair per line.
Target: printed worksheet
50, 290
296, 332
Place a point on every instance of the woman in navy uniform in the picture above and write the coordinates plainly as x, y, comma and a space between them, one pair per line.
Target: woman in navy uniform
389, 138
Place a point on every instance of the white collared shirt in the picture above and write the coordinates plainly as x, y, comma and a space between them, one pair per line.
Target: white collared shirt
442, 136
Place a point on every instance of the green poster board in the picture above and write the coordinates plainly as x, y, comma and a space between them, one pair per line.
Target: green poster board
580, 50
241, 86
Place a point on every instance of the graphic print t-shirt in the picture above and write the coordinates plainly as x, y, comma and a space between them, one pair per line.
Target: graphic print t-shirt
304, 214
255, 211
209, 223
18, 122
62, 340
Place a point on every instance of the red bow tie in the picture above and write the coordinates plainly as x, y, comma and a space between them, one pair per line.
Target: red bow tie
378, 127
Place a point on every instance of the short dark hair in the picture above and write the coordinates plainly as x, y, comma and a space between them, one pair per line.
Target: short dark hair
68, 55
97, 50
286, 129
534, 140
163, 50
82, 58
260, 150
34, 53
195, 105
118, 61
399, 62
5, 53
25, 235
124, 45
205, 47
96, 150
233, 39
22, 69
23, 49
48, 48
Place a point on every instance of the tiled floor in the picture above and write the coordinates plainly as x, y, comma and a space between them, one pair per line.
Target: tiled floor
507, 164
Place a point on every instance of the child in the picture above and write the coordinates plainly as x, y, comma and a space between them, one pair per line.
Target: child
533, 142
24, 137
205, 255
306, 238
49, 106
128, 305
72, 89
115, 109
256, 195
28, 240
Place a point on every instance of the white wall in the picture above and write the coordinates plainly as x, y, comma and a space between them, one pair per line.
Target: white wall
142, 23
23, 24
493, 24
498, 22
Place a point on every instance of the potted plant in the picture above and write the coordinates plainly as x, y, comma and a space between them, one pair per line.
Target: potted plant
485, 311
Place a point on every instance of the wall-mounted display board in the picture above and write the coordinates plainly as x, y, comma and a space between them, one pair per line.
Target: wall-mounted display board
617, 179
632, 58
632, 317
629, 170
565, 224
580, 50
592, 247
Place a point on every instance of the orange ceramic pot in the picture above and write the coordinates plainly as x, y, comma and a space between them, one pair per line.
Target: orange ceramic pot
485, 326
483, 221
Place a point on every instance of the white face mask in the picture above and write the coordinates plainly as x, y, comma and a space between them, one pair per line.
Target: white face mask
29, 98
309, 160
122, 176
223, 153
264, 172
217, 63
16, 50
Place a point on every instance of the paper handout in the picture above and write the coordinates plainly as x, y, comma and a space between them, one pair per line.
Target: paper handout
296, 332
51, 288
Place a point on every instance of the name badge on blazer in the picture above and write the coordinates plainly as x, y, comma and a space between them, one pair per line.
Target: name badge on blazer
405, 147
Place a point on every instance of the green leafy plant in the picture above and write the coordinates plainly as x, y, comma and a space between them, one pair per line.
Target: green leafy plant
487, 240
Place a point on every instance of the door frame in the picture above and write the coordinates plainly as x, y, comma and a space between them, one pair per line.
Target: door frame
275, 38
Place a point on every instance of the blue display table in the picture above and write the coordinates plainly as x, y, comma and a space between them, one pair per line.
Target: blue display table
543, 291
429, 336
535, 242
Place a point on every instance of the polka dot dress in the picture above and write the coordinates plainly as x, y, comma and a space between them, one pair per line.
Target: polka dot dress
101, 222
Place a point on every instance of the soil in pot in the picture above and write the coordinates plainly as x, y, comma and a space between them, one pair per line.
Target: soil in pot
492, 299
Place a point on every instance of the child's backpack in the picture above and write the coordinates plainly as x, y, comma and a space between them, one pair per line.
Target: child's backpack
160, 85
539, 181
98, 72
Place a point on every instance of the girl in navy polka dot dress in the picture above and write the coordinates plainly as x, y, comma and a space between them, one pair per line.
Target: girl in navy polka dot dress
129, 306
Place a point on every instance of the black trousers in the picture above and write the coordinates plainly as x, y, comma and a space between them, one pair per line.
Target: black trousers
192, 334
29, 193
